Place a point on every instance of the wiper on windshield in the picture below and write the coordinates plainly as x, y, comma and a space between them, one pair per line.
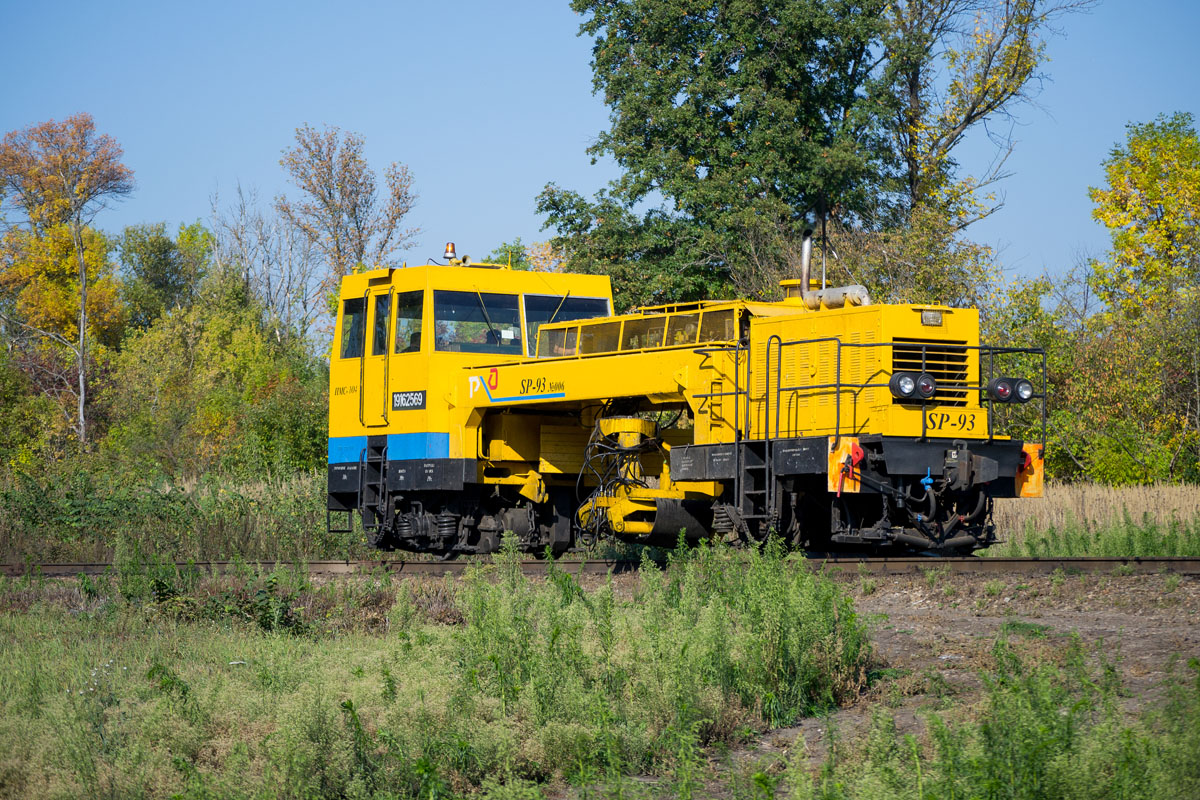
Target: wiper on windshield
560, 305
488, 319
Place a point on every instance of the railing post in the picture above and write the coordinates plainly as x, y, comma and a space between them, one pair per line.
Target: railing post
837, 397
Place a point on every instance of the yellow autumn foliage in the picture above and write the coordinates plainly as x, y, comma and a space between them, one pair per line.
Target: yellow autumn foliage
40, 276
1151, 206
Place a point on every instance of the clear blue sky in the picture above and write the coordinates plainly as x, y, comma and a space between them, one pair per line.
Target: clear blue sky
487, 101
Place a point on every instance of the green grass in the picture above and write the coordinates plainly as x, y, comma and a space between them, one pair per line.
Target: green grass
73, 515
1030, 630
1124, 538
1042, 731
160, 683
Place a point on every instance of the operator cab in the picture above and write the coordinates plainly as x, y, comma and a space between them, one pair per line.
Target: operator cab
404, 334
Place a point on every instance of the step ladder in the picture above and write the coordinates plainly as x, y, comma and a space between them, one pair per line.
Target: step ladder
372, 489
756, 487
754, 483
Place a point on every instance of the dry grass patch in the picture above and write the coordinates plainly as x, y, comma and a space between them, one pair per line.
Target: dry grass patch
1095, 505
1095, 520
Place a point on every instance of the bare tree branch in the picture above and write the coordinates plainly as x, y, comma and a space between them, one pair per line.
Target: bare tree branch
341, 213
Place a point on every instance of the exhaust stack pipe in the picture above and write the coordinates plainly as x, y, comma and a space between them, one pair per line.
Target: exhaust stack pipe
836, 297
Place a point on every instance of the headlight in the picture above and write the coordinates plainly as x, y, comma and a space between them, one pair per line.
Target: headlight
1023, 390
926, 386
1000, 389
903, 384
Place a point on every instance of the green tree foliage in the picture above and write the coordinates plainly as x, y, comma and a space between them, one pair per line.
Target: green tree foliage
162, 273
209, 388
1122, 342
739, 107
513, 253
924, 260
280, 265
24, 435
40, 296
951, 66
739, 123
39, 282
535, 256
954, 64
652, 259
1123, 390
738, 115
1151, 206
1135, 386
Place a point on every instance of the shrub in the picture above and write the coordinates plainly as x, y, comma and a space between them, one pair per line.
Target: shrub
1044, 731
719, 640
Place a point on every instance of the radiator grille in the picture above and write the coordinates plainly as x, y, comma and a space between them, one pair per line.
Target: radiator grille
946, 361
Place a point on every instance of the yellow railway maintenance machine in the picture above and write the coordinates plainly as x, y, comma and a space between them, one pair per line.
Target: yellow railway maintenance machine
471, 399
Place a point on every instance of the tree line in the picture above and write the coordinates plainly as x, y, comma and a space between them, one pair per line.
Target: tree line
737, 124
165, 354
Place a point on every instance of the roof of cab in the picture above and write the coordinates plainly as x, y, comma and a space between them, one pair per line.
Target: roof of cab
489, 278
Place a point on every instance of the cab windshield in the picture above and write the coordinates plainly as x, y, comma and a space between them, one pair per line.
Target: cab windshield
477, 322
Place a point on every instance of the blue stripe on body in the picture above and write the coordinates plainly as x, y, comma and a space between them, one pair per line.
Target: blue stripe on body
488, 392
400, 447
346, 449
403, 446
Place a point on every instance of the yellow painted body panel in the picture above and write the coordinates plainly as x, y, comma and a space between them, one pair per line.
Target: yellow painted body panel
835, 377
689, 359
522, 417
361, 389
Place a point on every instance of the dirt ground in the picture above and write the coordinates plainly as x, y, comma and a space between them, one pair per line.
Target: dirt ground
934, 634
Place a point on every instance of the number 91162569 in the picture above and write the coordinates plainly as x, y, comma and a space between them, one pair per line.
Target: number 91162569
956, 421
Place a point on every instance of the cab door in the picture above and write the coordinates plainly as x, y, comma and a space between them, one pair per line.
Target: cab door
374, 397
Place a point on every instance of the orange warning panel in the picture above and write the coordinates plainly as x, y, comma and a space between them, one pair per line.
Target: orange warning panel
1031, 475
844, 455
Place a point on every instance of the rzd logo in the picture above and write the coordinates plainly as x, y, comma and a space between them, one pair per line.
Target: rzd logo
493, 382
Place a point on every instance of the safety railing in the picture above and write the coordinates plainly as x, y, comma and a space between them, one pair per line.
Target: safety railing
636, 333
839, 386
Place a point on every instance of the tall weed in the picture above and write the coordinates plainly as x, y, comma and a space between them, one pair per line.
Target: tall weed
1124, 538
1044, 731
538, 680
719, 640
72, 514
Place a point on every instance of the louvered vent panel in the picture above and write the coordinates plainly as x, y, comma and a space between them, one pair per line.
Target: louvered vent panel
946, 361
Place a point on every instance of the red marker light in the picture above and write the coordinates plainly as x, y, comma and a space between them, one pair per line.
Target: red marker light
1001, 389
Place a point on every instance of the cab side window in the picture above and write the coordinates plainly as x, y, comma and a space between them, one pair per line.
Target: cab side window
544, 308
408, 321
383, 308
354, 327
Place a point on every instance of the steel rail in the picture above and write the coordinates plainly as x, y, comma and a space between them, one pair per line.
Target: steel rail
967, 565
824, 562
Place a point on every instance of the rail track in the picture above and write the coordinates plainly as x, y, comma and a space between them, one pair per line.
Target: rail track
817, 561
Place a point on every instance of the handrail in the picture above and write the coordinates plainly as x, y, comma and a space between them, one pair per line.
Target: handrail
839, 386
621, 319
382, 490
362, 471
362, 360
387, 357
767, 454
